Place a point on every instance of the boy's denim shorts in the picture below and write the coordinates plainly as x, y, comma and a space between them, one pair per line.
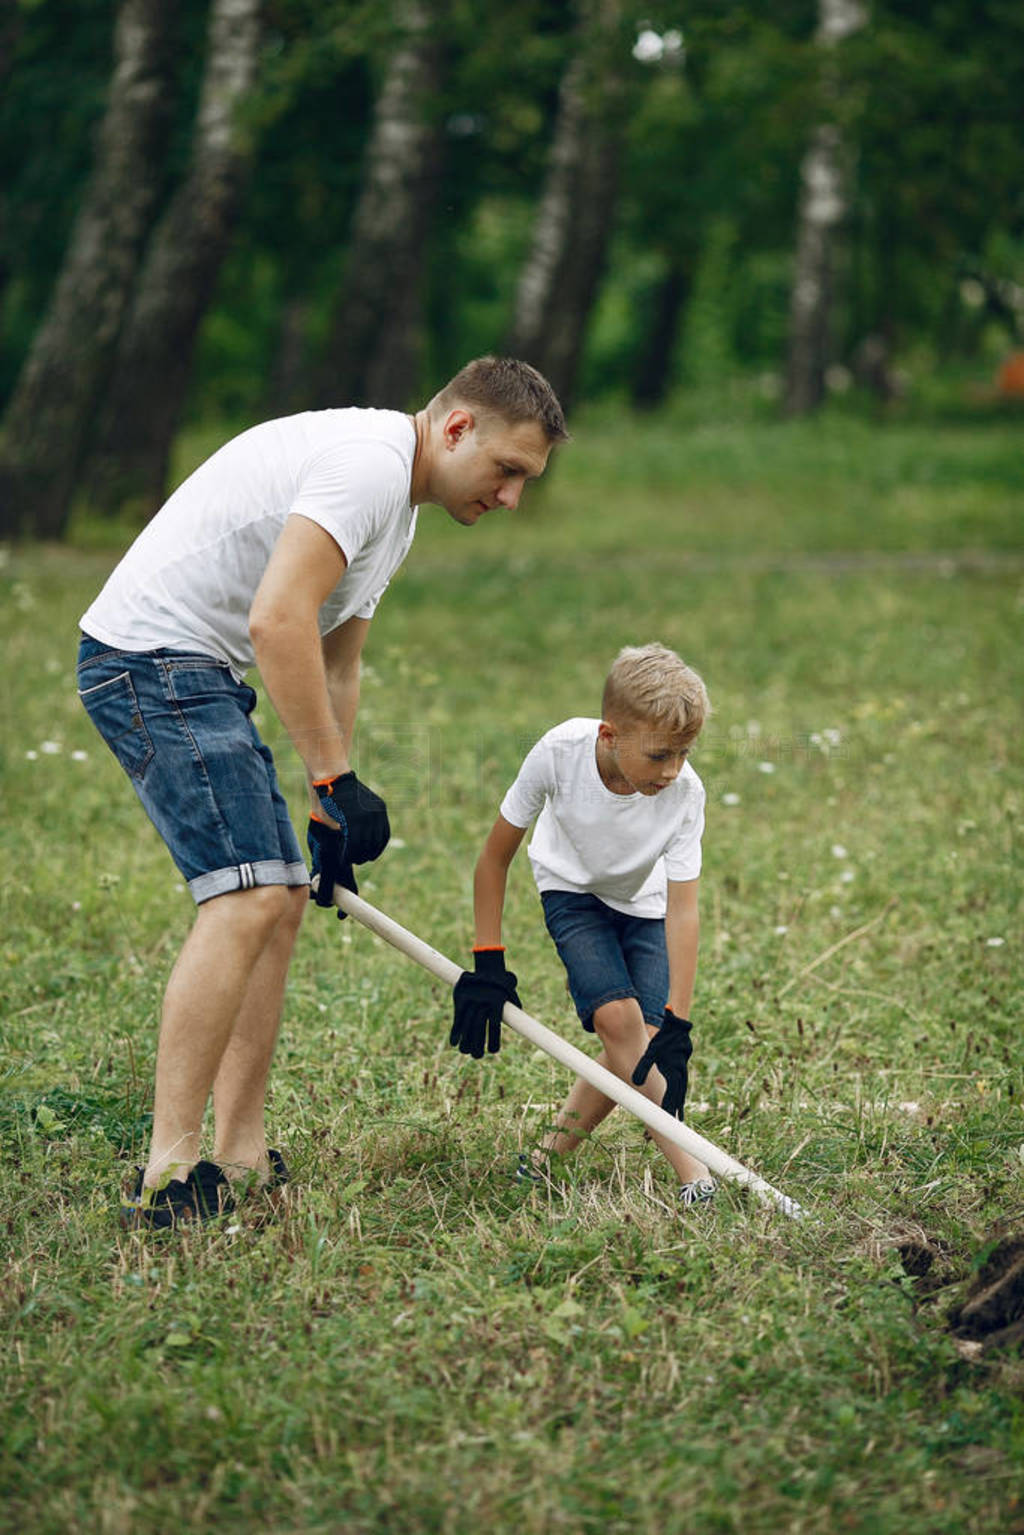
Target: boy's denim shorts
608, 954
179, 725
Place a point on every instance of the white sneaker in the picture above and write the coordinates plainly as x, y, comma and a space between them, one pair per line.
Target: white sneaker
701, 1192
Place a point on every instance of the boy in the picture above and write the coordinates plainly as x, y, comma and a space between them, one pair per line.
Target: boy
616, 854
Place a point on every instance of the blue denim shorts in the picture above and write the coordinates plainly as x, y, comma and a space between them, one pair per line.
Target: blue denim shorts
608, 954
179, 725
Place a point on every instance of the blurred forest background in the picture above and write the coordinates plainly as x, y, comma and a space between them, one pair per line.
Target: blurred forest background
222, 210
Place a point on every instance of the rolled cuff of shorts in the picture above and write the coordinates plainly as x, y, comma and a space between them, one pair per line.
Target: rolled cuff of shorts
246, 876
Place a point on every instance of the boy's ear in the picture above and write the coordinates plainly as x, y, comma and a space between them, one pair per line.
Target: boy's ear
606, 733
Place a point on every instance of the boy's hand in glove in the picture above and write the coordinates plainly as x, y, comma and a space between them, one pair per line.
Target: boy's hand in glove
670, 1050
480, 998
361, 815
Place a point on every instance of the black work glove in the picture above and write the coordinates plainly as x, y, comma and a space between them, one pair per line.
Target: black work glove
361, 814
327, 849
670, 1050
480, 998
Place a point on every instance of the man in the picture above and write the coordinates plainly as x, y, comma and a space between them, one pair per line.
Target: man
276, 550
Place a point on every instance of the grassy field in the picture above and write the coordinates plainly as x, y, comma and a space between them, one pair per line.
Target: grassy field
417, 1343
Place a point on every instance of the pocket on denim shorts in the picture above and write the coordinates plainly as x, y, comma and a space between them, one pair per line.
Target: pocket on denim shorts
114, 709
202, 679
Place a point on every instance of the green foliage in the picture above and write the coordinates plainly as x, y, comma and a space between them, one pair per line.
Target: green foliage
927, 101
417, 1343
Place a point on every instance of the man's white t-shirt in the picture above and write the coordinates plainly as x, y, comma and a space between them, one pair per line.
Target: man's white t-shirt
189, 579
620, 847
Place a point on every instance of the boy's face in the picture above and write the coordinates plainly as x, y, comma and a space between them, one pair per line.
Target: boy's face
639, 756
486, 463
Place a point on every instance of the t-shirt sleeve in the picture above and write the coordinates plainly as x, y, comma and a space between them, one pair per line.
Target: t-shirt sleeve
347, 490
525, 799
683, 853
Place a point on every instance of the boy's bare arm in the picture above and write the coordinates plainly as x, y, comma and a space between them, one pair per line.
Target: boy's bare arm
682, 935
490, 878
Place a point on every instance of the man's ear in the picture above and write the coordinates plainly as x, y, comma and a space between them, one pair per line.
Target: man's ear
457, 424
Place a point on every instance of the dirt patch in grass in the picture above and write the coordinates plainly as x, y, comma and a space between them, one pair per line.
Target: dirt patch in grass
992, 1312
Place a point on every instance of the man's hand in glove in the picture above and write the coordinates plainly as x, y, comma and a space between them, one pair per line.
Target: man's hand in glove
480, 998
361, 815
670, 1050
328, 852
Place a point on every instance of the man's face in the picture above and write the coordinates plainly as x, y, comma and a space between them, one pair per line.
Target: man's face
641, 756
486, 463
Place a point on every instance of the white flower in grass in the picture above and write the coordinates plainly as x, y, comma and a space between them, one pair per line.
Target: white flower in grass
396, 842
766, 767
835, 912
994, 943
79, 756
838, 850
730, 799
833, 737
50, 748
781, 930
31, 756
847, 877
76, 905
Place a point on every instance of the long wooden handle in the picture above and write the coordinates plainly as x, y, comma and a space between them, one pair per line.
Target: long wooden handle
621, 1092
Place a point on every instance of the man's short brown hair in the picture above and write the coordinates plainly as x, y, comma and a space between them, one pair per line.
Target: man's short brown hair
505, 387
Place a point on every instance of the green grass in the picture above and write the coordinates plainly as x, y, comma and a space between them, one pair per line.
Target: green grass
417, 1344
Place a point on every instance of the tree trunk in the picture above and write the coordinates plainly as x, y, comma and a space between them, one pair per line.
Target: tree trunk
287, 385
373, 355
143, 404
654, 365
561, 276
10, 26
823, 209
51, 409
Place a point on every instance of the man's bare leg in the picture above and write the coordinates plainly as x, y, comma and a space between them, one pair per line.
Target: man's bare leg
239, 1090
201, 1005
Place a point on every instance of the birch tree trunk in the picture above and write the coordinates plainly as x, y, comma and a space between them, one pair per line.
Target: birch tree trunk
373, 353
561, 276
153, 364
51, 410
824, 202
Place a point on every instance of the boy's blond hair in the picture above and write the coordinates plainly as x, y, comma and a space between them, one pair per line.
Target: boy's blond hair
652, 685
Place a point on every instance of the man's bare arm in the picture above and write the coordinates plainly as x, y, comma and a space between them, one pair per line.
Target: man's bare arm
304, 568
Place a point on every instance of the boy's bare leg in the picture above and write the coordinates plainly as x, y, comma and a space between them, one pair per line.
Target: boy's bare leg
621, 1029
201, 1006
581, 1112
239, 1089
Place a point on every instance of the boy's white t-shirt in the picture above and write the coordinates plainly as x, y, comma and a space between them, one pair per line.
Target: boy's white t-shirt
189, 579
620, 847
